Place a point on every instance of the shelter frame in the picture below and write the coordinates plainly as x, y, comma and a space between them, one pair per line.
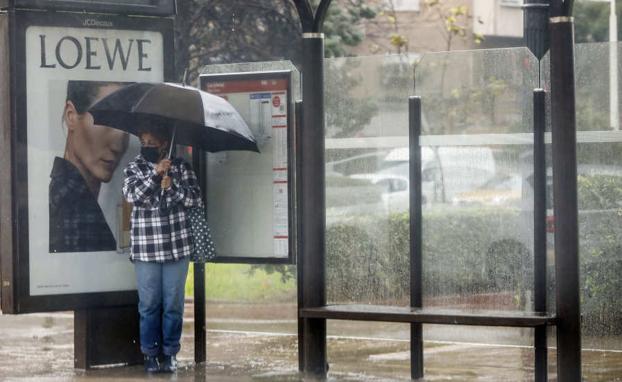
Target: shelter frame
312, 308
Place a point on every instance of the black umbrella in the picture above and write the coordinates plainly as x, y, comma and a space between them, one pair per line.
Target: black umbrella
197, 118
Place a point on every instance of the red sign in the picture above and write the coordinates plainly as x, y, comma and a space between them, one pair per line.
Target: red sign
242, 86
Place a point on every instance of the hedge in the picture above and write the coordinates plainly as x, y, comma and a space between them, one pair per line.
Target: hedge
368, 258
469, 251
475, 251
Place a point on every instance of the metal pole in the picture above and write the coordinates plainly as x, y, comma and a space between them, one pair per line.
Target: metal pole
539, 228
313, 202
200, 329
416, 254
565, 198
299, 272
614, 108
200, 337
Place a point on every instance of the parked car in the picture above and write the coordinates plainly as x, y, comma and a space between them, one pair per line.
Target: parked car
356, 164
503, 189
446, 172
348, 197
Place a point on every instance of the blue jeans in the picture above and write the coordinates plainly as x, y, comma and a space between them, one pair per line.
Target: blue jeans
161, 305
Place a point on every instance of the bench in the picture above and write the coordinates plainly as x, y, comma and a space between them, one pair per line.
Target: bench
440, 316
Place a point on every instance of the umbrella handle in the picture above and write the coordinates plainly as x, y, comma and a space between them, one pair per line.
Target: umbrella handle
170, 149
170, 153
185, 77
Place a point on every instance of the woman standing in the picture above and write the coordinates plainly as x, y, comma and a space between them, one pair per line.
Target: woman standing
160, 190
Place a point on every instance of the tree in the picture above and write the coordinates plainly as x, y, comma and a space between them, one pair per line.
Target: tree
592, 21
392, 30
228, 31
456, 21
342, 28
345, 114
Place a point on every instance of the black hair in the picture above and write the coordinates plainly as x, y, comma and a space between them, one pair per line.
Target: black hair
157, 128
83, 93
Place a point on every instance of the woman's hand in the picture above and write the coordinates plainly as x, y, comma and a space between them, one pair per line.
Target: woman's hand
163, 166
166, 182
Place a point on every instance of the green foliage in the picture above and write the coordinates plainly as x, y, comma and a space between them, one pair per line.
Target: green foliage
287, 272
228, 31
371, 257
397, 40
590, 116
601, 290
243, 283
472, 251
345, 113
592, 21
342, 25
357, 272
601, 253
389, 29
468, 108
599, 192
606, 154
456, 20
396, 76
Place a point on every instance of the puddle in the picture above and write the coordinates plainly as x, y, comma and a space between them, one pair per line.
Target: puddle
40, 348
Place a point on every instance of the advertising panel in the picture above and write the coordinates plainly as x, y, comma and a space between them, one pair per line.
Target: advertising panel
72, 239
250, 195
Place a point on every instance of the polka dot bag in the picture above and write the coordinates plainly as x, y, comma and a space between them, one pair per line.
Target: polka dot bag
201, 236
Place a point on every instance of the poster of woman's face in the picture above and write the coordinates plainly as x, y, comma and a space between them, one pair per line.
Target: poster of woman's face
91, 157
78, 221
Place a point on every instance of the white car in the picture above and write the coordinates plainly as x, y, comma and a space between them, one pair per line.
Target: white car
446, 173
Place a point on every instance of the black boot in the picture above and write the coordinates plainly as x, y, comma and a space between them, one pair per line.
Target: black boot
169, 364
152, 365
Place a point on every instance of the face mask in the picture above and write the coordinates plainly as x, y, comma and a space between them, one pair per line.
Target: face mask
152, 154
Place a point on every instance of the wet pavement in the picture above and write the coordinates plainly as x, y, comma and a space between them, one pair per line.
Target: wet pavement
258, 343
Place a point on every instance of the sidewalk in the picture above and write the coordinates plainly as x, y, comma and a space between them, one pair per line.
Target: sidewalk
248, 343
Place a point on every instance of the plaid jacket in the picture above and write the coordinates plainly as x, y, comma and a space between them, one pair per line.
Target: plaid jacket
160, 228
